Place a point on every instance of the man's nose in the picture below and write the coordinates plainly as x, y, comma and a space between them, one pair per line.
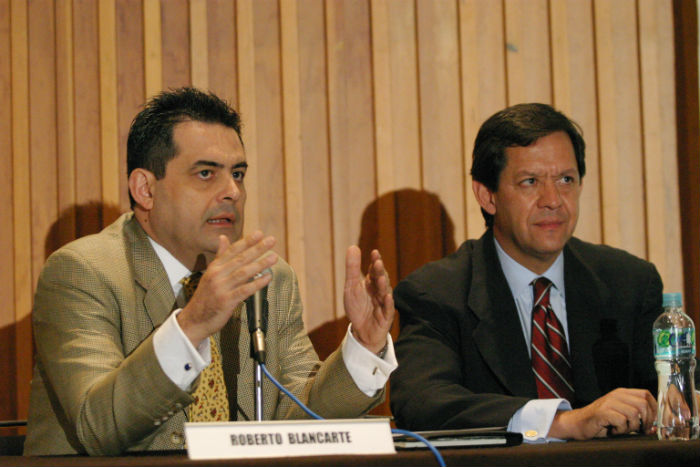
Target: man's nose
549, 195
230, 191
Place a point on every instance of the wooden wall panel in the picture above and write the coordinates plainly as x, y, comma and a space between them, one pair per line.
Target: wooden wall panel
317, 266
131, 81
109, 135
199, 44
291, 127
359, 118
658, 130
574, 92
221, 42
528, 54
440, 109
269, 167
86, 72
247, 103
349, 59
483, 67
65, 227
175, 28
622, 194
8, 362
396, 125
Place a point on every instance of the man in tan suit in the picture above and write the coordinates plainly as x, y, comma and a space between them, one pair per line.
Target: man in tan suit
119, 350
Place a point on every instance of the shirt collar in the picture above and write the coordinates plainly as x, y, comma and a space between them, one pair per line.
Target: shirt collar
175, 270
519, 277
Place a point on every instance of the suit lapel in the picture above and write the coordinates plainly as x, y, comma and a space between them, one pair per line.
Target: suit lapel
586, 296
498, 335
150, 274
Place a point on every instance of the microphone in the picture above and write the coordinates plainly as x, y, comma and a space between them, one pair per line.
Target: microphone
256, 307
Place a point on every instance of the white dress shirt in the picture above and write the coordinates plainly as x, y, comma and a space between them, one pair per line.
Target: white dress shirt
182, 362
534, 419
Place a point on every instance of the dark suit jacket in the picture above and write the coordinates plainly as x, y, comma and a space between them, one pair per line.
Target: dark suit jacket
98, 387
463, 359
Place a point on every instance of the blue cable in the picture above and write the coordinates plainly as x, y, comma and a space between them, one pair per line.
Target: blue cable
424, 441
318, 417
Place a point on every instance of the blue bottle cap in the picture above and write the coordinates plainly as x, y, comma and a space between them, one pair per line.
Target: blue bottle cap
673, 300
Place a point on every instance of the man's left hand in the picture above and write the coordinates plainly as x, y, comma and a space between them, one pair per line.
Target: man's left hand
367, 300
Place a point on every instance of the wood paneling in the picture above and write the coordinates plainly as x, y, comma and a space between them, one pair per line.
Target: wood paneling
359, 118
483, 74
574, 93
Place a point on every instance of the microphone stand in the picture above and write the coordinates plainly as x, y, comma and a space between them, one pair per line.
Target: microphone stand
257, 328
258, 336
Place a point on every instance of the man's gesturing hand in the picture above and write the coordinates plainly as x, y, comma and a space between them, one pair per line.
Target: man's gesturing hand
226, 283
367, 299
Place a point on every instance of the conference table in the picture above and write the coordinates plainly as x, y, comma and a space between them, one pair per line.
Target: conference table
631, 450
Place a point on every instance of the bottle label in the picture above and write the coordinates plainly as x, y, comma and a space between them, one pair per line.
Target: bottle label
674, 342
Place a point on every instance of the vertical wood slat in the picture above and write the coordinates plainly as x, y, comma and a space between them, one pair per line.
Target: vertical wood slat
316, 202
527, 44
293, 170
131, 80
65, 123
175, 17
86, 73
8, 363
42, 155
108, 111
21, 191
153, 60
482, 49
396, 125
574, 92
270, 145
440, 109
350, 126
199, 47
221, 48
246, 103
617, 68
659, 123
394, 65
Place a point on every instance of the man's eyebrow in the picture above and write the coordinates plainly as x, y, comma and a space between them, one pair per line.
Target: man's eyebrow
218, 165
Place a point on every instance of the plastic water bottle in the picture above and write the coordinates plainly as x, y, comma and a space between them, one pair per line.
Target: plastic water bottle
674, 351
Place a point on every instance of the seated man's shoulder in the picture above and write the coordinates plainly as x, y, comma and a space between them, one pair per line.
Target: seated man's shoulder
105, 248
605, 258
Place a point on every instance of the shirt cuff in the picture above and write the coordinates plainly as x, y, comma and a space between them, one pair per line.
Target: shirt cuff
178, 358
369, 372
534, 419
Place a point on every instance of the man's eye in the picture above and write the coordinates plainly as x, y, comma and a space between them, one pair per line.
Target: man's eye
205, 174
568, 179
239, 175
528, 181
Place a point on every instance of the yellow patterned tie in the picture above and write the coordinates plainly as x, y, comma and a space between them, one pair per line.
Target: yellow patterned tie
210, 398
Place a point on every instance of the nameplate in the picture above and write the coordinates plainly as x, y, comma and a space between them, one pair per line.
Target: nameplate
228, 440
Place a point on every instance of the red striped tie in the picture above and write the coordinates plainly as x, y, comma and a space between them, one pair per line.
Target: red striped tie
550, 355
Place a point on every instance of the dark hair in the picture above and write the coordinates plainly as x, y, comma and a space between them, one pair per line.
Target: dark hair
519, 125
150, 144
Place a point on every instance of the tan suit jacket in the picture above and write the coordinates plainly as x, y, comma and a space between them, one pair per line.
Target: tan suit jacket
97, 386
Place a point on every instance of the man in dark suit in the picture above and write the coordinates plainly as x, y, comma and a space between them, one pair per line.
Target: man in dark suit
471, 346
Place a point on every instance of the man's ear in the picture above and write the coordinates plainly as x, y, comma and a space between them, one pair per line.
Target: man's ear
141, 186
484, 196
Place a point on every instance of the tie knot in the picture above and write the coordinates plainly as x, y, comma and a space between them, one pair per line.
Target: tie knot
541, 286
190, 283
